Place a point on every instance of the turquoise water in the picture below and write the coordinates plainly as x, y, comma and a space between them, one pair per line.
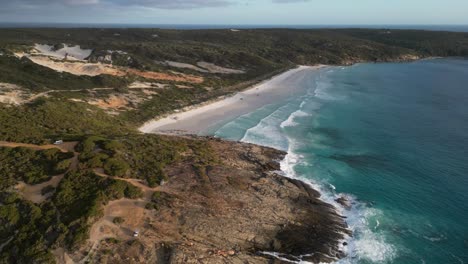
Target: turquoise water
393, 138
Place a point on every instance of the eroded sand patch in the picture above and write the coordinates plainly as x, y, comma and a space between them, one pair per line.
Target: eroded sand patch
132, 212
77, 68
12, 94
94, 69
112, 102
204, 67
146, 85
70, 52
213, 68
120, 102
33, 193
182, 65
175, 77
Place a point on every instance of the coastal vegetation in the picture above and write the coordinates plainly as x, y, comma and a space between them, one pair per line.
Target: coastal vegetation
100, 114
65, 218
45, 120
29, 166
258, 53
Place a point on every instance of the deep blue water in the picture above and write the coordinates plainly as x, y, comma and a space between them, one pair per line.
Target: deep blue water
456, 28
393, 138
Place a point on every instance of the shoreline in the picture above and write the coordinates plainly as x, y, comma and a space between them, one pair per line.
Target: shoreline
197, 118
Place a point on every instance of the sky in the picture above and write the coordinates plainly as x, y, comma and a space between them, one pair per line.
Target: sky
238, 12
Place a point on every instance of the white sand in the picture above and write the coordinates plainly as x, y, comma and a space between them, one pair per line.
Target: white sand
73, 51
213, 68
196, 119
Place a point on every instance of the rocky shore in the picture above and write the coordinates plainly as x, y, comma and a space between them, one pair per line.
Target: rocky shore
234, 211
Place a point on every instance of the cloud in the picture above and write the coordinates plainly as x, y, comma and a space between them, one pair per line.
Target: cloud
81, 2
172, 4
288, 1
164, 4
7, 6
45, 3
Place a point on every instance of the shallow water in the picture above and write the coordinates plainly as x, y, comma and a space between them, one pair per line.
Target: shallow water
391, 137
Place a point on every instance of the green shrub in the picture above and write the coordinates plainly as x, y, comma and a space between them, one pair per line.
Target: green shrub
117, 220
62, 166
116, 167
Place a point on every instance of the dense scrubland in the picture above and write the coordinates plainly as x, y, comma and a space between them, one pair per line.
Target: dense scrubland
258, 52
65, 218
110, 142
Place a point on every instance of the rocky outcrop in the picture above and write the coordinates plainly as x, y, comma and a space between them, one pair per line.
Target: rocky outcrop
235, 210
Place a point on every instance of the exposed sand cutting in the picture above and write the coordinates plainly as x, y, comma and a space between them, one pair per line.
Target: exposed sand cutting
146, 85
202, 66
213, 68
72, 52
16, 95
149, 92
12, 94
122, 101
183, 66
13, 97
94, 69
77, 68
113, 102
183, 86
176, 77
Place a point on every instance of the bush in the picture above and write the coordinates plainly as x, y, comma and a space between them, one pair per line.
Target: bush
116, 167
30, 166
118, 220
62, 166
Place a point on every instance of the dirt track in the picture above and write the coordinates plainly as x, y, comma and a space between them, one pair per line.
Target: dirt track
33, 193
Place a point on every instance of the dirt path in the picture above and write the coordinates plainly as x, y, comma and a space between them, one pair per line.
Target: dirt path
34, 97
133, 214
64, 147
33, 193
148, 191
131, 211
61, 256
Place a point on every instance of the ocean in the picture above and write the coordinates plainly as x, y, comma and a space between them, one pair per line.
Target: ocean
393, 139
455, 28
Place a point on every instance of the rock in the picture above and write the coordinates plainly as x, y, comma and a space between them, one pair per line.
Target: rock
249, 210
344, 202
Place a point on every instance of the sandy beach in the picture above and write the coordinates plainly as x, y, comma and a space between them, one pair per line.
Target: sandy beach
198, 118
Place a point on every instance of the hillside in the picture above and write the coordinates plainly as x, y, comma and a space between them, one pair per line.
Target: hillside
190, 199
153, 71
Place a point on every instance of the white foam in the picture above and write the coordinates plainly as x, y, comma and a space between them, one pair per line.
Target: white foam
267, 132
368, 241
290, 121
322, 91
365, 244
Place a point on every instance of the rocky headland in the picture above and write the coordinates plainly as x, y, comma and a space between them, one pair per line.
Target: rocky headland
236, 210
